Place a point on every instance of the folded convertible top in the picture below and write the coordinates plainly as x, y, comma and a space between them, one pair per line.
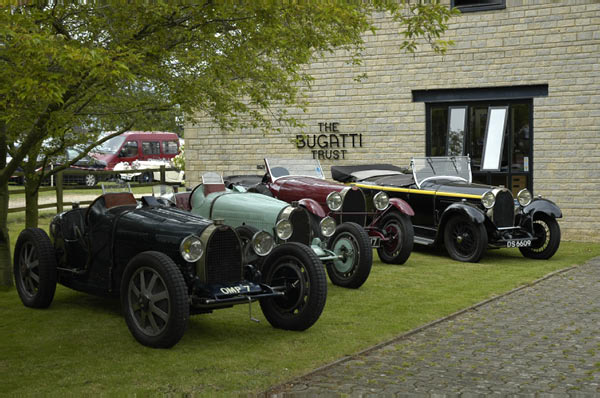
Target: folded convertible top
350, 173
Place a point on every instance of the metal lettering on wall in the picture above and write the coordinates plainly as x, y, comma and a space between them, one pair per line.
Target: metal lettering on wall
330, 143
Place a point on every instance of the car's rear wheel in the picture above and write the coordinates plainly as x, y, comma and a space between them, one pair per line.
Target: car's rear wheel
296, 270
35, 268
547, 233
147, 177
351, 244
90, 180
465, 241
400, 236
154, 299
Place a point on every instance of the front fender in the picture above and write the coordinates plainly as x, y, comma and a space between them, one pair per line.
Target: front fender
402, 206
542, 205
313, 207
474, 214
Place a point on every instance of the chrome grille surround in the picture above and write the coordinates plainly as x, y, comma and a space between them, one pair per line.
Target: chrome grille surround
504, 209
354, 207
222, 260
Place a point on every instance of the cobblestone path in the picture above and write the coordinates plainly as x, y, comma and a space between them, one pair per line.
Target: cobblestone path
541, 339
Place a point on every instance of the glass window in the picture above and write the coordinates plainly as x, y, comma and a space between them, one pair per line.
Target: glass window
478, 5
170, 147
494, 138
455, 145
130, 149
111, 146
439, 128
151, 147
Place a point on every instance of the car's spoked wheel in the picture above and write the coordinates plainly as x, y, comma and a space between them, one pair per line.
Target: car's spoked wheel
547, 233
400, 236
90, 180
35, 268
155, 300
465, 240
351, 244
294, 269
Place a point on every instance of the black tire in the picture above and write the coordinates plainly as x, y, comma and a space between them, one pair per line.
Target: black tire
246, 232
157, 317
547, 230
90, 180
352, 242
464, 240
298, 270
398, 227
35, 268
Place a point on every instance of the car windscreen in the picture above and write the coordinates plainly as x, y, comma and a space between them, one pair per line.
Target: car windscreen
294, 167
111, 146
454, 167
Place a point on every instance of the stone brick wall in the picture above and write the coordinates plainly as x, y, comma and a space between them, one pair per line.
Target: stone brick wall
529, 42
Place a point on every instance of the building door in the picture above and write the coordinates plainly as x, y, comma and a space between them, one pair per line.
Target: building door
497, 135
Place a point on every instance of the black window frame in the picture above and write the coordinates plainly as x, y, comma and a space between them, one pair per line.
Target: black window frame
479, 6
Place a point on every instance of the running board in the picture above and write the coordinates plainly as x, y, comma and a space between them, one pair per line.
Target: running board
423, 241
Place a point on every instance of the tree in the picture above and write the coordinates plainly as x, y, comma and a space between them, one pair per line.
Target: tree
71, 71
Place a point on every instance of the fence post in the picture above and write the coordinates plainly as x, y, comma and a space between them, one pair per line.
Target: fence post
59, 191
162, 174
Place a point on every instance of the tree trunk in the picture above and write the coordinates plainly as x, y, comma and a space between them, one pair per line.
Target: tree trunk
31, 204
6, 279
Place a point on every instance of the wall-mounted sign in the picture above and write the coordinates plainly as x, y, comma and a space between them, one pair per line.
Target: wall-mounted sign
330, 144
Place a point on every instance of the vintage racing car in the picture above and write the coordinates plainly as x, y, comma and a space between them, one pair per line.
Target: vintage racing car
165, 264
387, 221
463, 216
344, 250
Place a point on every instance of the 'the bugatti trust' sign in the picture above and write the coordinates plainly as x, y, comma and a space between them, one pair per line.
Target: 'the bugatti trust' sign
330, 143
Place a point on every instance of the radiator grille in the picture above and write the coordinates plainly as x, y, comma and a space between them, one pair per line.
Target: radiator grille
223, 257
354, 202
504, 209
301, 225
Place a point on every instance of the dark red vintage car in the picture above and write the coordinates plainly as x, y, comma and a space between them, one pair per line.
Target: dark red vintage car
387, 221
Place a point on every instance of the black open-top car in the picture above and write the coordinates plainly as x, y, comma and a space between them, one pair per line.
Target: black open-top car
165, 264
465, 217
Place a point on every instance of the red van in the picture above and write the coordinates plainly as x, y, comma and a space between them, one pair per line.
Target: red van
137, 145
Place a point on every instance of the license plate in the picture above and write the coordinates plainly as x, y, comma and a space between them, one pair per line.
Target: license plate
239, 289
519, 243
375, 241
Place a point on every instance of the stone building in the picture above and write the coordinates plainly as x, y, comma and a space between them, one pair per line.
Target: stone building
537, 61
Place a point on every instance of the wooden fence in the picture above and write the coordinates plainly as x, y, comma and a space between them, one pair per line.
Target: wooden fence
60, 187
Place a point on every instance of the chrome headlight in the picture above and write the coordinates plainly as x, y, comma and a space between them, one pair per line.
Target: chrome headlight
191, 248
283, 229
327, 226
381, 200
262, 243
488, 200
524, 197
334, 201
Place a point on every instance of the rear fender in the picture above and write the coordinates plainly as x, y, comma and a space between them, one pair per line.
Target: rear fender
543, 206
401, 205
313, 207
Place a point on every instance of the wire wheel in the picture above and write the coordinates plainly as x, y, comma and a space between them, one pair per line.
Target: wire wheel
547, 238
465, 240
398, 230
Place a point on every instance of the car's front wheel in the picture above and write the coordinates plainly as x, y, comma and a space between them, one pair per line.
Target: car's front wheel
35, 268
154, 299
547, 233
296, 270
465, 240
354, 259
400, 235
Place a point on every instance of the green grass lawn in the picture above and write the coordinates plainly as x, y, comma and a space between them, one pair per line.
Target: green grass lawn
81, 345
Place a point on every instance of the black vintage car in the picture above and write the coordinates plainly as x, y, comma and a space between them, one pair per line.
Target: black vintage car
463, 216
165, 264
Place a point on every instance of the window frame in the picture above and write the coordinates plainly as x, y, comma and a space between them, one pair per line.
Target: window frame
500, 5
